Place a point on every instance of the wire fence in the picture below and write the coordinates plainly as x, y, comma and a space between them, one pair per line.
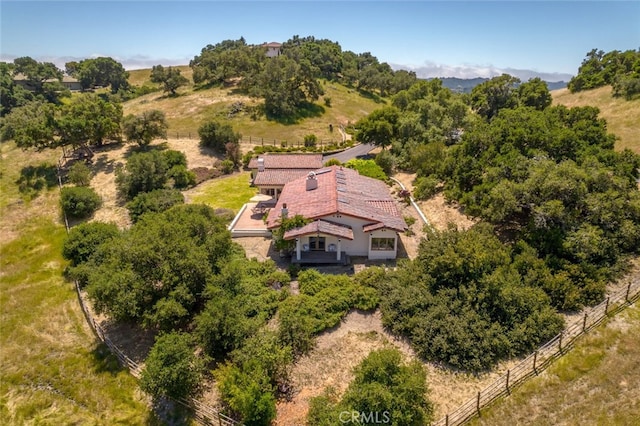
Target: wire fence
201, 412
544, 356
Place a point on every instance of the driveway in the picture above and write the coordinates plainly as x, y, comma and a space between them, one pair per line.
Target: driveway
348, 154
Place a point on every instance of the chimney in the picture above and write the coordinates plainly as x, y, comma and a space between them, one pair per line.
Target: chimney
284, 211
261, 164
312, 182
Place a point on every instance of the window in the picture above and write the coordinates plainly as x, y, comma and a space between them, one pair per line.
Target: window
383, 244
317, 243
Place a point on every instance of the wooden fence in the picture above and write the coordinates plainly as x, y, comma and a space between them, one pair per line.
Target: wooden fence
544, 356
202, 413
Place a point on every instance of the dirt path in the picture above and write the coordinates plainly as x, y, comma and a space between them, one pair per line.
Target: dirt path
339, 350
438, 211
110, 157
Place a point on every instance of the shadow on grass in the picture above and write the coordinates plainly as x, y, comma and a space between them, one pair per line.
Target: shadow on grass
307, 110
34, 179
104, 361
370, 95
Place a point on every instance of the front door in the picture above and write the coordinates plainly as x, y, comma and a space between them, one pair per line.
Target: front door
317, 243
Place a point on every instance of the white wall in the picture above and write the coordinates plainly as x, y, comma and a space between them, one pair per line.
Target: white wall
360, 245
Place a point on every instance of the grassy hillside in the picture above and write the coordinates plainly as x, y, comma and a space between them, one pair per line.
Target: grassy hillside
186, 112
597, 383
623, 117
53, 369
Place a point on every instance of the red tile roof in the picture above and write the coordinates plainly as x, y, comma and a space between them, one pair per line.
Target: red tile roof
288, 161
278, 177
340, 191
322, 227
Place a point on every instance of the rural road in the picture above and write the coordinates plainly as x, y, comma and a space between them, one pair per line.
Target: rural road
346, 155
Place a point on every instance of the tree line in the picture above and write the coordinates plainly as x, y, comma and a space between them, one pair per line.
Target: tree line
619, 69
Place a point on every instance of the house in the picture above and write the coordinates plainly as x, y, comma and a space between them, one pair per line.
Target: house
270, 172
349, 214
67, 81
273, 49
73, 84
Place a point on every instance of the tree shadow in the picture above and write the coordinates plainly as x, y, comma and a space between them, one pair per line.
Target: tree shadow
137, 149
372, 96
307, 110
104, 361
34, 179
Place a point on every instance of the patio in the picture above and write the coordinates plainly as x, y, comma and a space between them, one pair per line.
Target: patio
320, 258
248, 222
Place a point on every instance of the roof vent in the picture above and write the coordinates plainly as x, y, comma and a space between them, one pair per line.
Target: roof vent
312, 182
261, 164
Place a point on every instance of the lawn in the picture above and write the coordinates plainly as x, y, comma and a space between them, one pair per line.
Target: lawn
597, 383
54, 371
230, 192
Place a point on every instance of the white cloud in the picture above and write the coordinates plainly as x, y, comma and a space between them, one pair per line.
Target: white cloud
432, 69
129, 63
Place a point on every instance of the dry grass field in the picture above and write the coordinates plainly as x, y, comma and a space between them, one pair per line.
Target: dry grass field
597, 383
621, 115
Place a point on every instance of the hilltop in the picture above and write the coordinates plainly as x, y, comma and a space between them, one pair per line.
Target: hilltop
194, 106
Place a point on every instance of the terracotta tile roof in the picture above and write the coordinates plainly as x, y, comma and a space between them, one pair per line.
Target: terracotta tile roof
288, 161
340, 191
323, 227
278, 177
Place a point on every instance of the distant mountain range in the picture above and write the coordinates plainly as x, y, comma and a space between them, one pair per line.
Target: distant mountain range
465, 85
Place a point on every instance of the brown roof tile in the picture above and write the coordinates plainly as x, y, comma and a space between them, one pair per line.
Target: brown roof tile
288, 161
323, 227
340, 191
278, 177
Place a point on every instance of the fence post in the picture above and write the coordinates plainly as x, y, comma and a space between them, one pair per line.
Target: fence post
262, 140
626, 297
508, 374
560, 343
535, 358
446, 420
219, 419
189, 135
478, 404
584, 322
606, 307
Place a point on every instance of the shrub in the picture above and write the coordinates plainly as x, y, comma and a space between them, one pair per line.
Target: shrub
386, 161
171, 369
327, 102
182, 178
175, 158
84, 239
332, 162
155, 201
216, 135
227, 166
79, 174
144, 172
310, 140
367, 168
79, 201
425, 187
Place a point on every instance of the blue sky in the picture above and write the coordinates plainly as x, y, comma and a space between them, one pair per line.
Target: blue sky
454, 38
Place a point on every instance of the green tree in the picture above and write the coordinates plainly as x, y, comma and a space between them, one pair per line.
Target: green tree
89, 119
379, 127
171, 78
155, 201
11, 95
489, 97
79, 174
144, 128
101, 72
144, 172
44, 78
534, 93
216, 135
79, 201
171, 369
286, 86
84, 239
32, 126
